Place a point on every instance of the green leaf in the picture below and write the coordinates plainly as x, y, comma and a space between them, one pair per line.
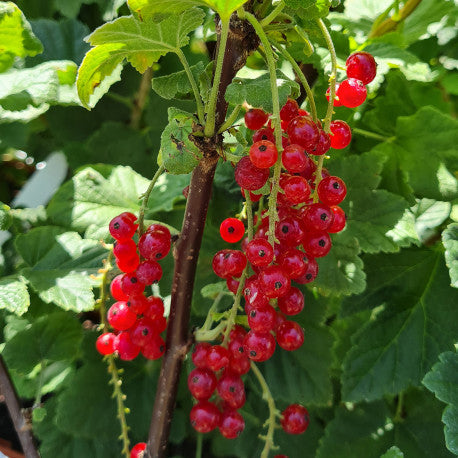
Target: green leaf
179, 155
308, 9
92, 198
149, 8
428, 215
177, 85
141, 43
5, 217
54, 337
16, 36
393, 452
256, 91
14, 296
450, 241
401, 342
212, 290
60, 266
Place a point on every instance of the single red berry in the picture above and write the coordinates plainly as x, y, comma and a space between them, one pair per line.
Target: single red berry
125, 348
115, 289
128, 265
105, 343
340, 134
149, 272
324, 143
255, 118
262, 319
311, 271
235, 347
231, 424
237, 332
259, 252
281, 318
199, 355
336, 98
232, 285
362, 66
253, 294
120, 316
317, 217
154, 348
296, 189
293, 262
229, 263
309, 170
289, 232
292, 302
137, 303
156, 228
289, 110
332, 190
232, 230
154, 308
240, 365
204, 417
339, 220
352, 93
263, 154
201, 383
294, 158
123, 227
125, 250
217, 358
131, 285
259, 347
137, 450
248, 176
304, 132
290, 336
154, 245
142, 331
317, 244
295, 419
232, 390
274, 282
266, 133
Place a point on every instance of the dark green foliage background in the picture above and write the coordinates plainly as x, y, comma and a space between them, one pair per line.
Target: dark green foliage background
378, 370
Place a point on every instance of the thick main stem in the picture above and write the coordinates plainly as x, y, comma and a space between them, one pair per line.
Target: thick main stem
20, 422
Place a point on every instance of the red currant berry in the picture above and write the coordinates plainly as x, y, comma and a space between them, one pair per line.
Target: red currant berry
295, 419
154, 245
289, 232
232, 390
125, 250
266, 133
128, 265
120, 316
274, 282
262, 319
237, 332
217, 358
336, 98
255, 118
204, 417
115, 289
235, 347
289, 110
142, 330
131, 285
362, 66
352, 93
125, 348
332, 190
317, 217
292, 302
324, 143
105, 343
137, 303
154, 308
232, 230
309, 170
317, 244
263, 154
149, 272
154, 348
293, 262
290, 336
229, 263
311, 271
259, 347
239, 365
340, 134
304, 132
231, 424
254, 295
201, 383
232, 285
296, 189
259, 252
137, 450
339, 220
248, 176
294, 159
123, 227
281, 318
199, 355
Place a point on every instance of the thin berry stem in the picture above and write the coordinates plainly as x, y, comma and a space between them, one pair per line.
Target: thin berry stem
199, 444
273, 412
141, 214
369, 134
231, 119
273, 14
209, 320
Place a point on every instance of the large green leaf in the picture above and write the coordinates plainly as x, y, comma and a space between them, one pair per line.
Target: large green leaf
60, 264
16, 36
442, 380
54, 337
401, 342
308, 9
450, 241
141, 43
14, 296
393, 452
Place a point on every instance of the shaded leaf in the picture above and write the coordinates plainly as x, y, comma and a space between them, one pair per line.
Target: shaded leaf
450, 241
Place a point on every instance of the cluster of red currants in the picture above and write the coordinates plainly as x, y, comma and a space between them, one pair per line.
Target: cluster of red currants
137, 320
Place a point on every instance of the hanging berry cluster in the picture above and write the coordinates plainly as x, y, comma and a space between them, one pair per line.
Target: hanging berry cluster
137, 320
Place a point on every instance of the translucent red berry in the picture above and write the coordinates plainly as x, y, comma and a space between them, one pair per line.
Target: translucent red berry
142, 331
154, 245
131, 285
293, 262
229, 263
259, 252
232, 230
204, 417
332, 190
292, 302
304, 132
240, 365
311, 272
154, 308
199, 355
154, 348
263, 154
262, 319
340, 134
125, 250
317, 244
352, 93
296, 189
120, 316
290, 336
137, 303
128, 265
125, 348
324, 143
259, 347
231, 424
201, 383
137, 450
105, 343
339, 220
317, 217
149, 272
289, 110
289, 232
255, 118
274, 282
294, 158
123, 227
115, 289
217, 358
266, 133
248, 176
295, 419
362, 66
232, 390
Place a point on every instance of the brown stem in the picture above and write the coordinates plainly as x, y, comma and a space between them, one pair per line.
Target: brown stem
241, 41
390, 24
140, 98
20, 422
